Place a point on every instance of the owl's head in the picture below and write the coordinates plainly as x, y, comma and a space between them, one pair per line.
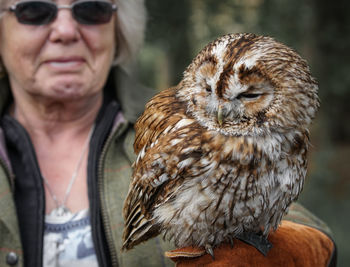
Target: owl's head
243, 84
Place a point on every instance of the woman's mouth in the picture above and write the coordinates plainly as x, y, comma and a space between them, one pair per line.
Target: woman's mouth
66, 63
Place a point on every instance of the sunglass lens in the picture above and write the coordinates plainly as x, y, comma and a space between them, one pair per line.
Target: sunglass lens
35, 13
93, 12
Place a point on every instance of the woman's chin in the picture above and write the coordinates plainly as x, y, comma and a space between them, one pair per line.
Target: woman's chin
65, 92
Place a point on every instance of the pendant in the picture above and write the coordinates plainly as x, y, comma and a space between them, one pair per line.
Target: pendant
61, 211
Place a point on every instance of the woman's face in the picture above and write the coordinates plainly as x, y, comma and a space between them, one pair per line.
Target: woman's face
63, 60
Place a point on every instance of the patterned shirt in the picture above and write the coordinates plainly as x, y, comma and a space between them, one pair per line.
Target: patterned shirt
68, 241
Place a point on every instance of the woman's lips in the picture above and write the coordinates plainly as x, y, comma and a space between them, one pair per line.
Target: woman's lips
66, 63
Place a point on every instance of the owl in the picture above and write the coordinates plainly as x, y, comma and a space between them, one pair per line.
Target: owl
224, 153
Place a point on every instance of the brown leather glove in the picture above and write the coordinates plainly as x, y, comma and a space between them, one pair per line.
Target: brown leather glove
294, 244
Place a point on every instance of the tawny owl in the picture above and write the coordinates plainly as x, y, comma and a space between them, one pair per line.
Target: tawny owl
224, 152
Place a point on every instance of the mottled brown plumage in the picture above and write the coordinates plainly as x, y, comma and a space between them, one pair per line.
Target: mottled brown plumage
224, 152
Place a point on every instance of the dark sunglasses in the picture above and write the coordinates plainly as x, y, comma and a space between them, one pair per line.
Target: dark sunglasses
42, 12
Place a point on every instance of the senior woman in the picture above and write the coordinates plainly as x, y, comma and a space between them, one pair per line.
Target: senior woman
65, 137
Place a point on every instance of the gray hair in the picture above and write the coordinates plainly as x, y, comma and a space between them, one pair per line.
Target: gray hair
130, 30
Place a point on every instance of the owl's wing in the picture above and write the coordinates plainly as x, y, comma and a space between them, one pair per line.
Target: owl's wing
162, 112
158, 172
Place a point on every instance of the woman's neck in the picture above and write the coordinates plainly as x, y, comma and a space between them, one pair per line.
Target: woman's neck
51, 119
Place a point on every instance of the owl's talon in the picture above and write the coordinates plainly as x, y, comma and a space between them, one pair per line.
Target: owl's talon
230, 238
260, 242
209, 250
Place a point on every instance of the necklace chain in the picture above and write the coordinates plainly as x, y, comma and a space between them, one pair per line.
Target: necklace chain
61, 209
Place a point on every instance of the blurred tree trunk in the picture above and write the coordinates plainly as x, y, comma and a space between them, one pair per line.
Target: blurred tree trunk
333, 68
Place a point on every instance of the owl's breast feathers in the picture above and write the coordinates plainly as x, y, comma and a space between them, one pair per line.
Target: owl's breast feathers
187, 177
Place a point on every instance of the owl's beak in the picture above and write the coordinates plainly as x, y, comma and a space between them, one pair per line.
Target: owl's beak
220, 115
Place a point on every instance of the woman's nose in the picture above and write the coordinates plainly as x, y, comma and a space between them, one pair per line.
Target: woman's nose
64, 28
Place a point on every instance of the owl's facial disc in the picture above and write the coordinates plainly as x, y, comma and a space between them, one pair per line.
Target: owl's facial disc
245, 93
243, 102
239, 102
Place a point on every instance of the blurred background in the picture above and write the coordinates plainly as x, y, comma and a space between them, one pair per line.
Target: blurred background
320, 31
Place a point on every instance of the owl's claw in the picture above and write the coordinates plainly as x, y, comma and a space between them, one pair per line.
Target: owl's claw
258, 241
209, 250
230, 238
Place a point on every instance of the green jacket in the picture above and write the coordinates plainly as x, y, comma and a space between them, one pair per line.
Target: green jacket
113, 182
